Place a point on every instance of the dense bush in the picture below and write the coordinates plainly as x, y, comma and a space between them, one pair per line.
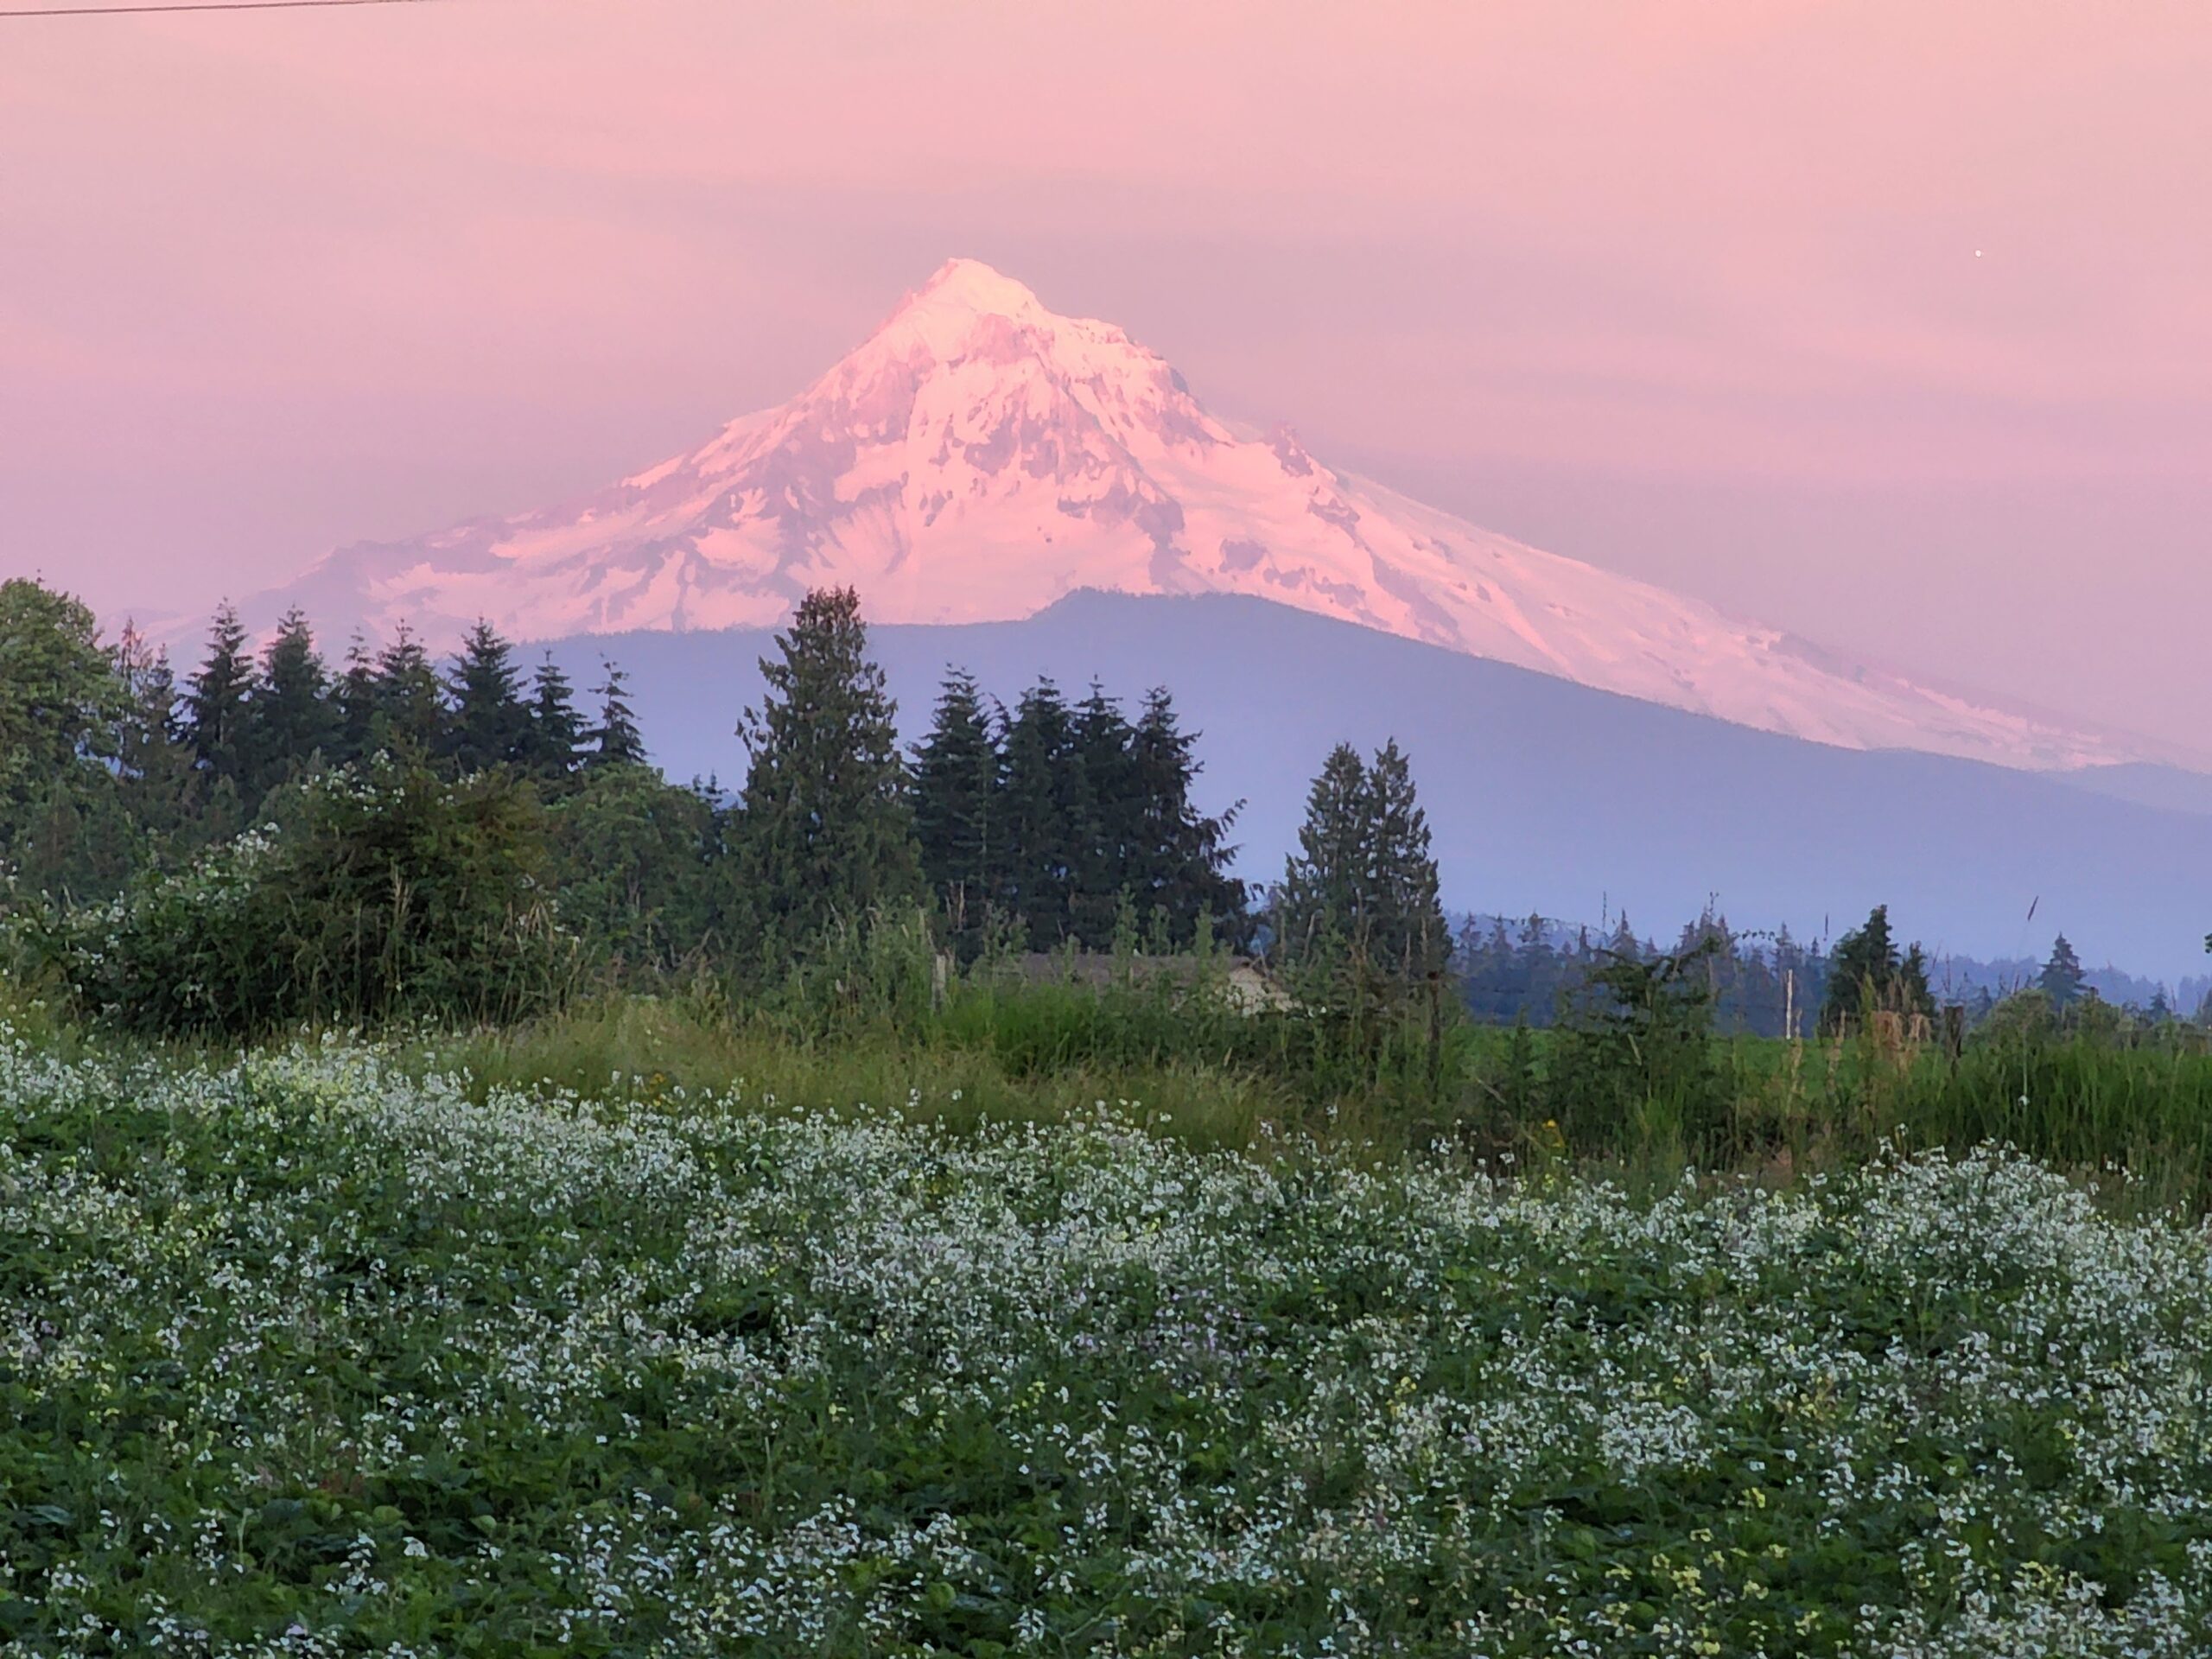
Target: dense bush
386, 891
1634, 1046
635, 857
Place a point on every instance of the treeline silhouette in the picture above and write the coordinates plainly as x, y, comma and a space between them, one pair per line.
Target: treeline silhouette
1046, 825
1050, 826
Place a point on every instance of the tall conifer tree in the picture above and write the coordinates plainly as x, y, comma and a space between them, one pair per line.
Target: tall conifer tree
217, 699
353, 705
153, 763
958, 784
1358, 913
1107, 817
294, 720
1866, 972
1407, 936
411, 712
616, 741
826, 829
557, 731
1045, 807
2061, 978
1319, 913
490, 726
1181, 856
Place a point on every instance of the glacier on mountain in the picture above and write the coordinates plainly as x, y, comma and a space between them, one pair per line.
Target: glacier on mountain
980, 457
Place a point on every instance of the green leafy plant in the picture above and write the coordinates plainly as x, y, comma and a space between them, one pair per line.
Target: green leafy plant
388, 891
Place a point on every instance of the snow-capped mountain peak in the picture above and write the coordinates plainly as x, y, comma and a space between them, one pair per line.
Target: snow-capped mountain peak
979, 456
941, 313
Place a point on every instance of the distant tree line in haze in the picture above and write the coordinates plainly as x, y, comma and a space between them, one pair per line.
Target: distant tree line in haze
1773, 984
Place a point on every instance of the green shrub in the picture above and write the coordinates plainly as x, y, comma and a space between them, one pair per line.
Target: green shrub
634, 854
1633, 1057
388, 891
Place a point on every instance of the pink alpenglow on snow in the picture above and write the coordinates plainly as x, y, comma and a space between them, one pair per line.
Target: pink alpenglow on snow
981, 457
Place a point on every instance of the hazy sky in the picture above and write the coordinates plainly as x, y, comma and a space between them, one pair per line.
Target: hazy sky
1692, 290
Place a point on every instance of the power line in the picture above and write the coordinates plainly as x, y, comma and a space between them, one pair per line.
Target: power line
198, 5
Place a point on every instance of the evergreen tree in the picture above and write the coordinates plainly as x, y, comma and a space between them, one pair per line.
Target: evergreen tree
1913, 994
1860, 970
1180, 858
1408, 939
354, 706
2061, 978
1045, 809
292, 719
958, 783
616, 740
557, 731
409, 710
1358, 916
1867, 972
826, 831
1107, 811
1624, 943
1319, 917
490, 726
217, 702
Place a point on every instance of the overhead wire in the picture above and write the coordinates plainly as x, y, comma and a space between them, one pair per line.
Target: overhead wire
143, 8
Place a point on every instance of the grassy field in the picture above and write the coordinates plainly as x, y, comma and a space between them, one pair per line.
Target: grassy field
2133, 1122
338, 1350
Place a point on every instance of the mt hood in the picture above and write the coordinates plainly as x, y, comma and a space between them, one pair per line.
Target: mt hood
981, 457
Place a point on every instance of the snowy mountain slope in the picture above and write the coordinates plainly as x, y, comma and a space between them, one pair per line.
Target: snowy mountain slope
980, 457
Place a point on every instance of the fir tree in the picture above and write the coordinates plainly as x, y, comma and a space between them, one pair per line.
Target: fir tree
294, 720
217, 701
1623, 944
958, 783
1180, 857
1045, 809
410, 716
556, 735
1107, 811
1867, 972
1912, 994
616, 741
1319, 917
2061, 978
1407, 936
1859, 968
490, 726
354, 706
826, 831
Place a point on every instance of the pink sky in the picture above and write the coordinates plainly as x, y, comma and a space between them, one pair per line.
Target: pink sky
1687, 290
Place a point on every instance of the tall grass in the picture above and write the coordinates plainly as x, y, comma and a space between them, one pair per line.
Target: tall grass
961, 1075
876, 1020
2135, 1122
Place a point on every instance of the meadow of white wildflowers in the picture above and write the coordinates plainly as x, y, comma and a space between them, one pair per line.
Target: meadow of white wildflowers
303, 1356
